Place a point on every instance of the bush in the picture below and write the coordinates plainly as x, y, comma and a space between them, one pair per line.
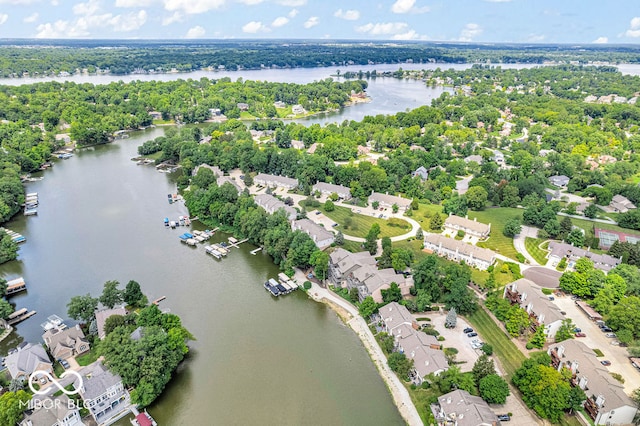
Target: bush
307, 285
487, 349
529, 345
440, 338
521, 258
618, 377
547, 291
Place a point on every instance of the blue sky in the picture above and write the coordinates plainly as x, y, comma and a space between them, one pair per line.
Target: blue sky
519, 21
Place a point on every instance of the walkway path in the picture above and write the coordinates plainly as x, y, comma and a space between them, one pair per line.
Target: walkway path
519, 242
399, 393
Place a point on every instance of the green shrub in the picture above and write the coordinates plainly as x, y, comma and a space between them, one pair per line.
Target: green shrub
307, 285
547, 291
487, 349
440, 338
521, 258
598, 352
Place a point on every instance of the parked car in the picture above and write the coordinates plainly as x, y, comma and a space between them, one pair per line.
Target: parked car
610, 335
577, 330
552, 298
575, 298
605, 362
468, 330
615, 342
504, 417
581, 335
606, 329
473, 334
318, 212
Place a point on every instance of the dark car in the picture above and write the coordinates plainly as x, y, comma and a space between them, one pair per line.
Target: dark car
473, 334
468, 330
606, 329
504, 417
577, 330
605, 362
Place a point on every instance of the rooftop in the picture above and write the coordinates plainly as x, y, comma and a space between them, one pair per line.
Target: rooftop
462, 248
463, 222
466, 409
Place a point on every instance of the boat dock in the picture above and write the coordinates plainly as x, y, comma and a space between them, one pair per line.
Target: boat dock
16, 286
17, 238
19, 315
158, 300
255, 251
142, 419
281, 287
213, 252
31, 204
233, 242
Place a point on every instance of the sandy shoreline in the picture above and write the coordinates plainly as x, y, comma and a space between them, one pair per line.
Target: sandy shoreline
350, 316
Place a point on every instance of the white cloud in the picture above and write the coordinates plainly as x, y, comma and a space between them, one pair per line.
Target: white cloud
535, 38
193, 7
280, 21
3, 18
408, 6
311, 22
60, 29
31, 18
470, 31
349, 15
88, 8
254, 27
292, 3
175, 17
410, 35
129, 22
601, 40
54, 2
250, 2
18, 2
134, 3
293, 13
634, 28
195, 32
383, 28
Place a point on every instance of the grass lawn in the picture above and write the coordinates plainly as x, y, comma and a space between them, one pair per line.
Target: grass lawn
497, 217
424, 213
509, 355
588, 226
352, 246
89, 357
422, 399
360, 224
155, 156
532, 246
415, 246
502, 278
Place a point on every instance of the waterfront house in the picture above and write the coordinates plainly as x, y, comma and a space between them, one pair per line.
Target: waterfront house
298, 109
421, 172
103, 393
395, 315
228, 179
606, 403
328, 188
274, 181
65, 343
343, 262
242, 106
320, 236
559, 250
279, 104
296, 144
54, 411
28, 358
621, 204
155, 115
271, 205
457, 251
460, 408
474, 228
215, 169
559, 180
542, 311
102, 315
386, 200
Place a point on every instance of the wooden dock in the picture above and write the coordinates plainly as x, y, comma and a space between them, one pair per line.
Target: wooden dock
158, 300
235, 243
255, 251
19, 315
16, 286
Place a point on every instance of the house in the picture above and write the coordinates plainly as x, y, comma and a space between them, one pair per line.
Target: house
312, 148
541, 310
320, 236
271, 205
561, 181
607, 237
298, 109
101, 318
457, 251
28, 358
474, 158
215, 169
455, 223
274, 181
328, 188
242, 106
65, 343
54, 411
426, 360
297, 144
342, 263
394, 315
227, 179
103, 393
460, 408
386, 200
155, 115
421, 172
498, 157
63, 137
279, 104
607, 403
572, 254
621, 204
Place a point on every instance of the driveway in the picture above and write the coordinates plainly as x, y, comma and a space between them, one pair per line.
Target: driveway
519, 242
462, 185
596, 339
542, 276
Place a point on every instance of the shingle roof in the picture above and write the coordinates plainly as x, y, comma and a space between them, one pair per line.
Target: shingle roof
463, 248
389, 199
97, 379
102, 315
469, 410
462, 222
315, 231
330, 188
26, 359
275, 179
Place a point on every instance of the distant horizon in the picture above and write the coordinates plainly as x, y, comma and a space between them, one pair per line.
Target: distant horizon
477, 21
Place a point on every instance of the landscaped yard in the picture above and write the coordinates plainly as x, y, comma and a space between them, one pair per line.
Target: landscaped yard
502, 278
497, 218
358, 225
533, 247
89, 357
510, 356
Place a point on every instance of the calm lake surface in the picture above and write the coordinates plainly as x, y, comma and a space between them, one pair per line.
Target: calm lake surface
256, 359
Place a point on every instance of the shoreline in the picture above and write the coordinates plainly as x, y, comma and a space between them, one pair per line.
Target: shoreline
398, 391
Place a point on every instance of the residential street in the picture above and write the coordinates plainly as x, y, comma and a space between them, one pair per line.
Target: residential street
519, 242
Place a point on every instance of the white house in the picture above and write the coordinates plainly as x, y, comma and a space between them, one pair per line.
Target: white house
457, 251
274, 181
529, 297
386, 200
271, 205
455, 223
55, 411
328, 188
102, 392
320, 236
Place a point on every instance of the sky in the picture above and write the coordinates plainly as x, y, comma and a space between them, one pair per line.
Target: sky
491, 21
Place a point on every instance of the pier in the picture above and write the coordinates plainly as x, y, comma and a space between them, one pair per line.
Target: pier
233, 242
20, 315
16, 286
142, 419
158, 300
17, 238
255, 251
283, 286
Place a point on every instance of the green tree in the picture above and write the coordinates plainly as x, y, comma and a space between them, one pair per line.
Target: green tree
82, 308
576, 237
451, 319
476, 198
565, 331
5, 309
111, 294
419, 234
133, 295
591, 211
493, 389
8, 247
456, 204
436, 222
482, 368
371, 243
12, 405
399, 363
626, 315
329, 206
339, 238
375, 205
512, 227
395, 208
112, 322
538, 339
517, 321
565, 226
320, 262
368, 307
392, 294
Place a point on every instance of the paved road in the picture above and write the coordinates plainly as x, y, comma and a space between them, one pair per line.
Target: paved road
519, 242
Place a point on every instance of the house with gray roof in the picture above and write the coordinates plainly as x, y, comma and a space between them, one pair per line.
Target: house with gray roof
274, 181
54, 411
457, 251
474, 158
27, 359
460, 408
607, 402
559, 180
343, 262
394, 315
271, 205
559, 250
328, 188
455, 223
621, 204
228, 179
320, 236
542, 311
103, 314
102, 392
386, 200
65, 343
421, 172
215, 169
